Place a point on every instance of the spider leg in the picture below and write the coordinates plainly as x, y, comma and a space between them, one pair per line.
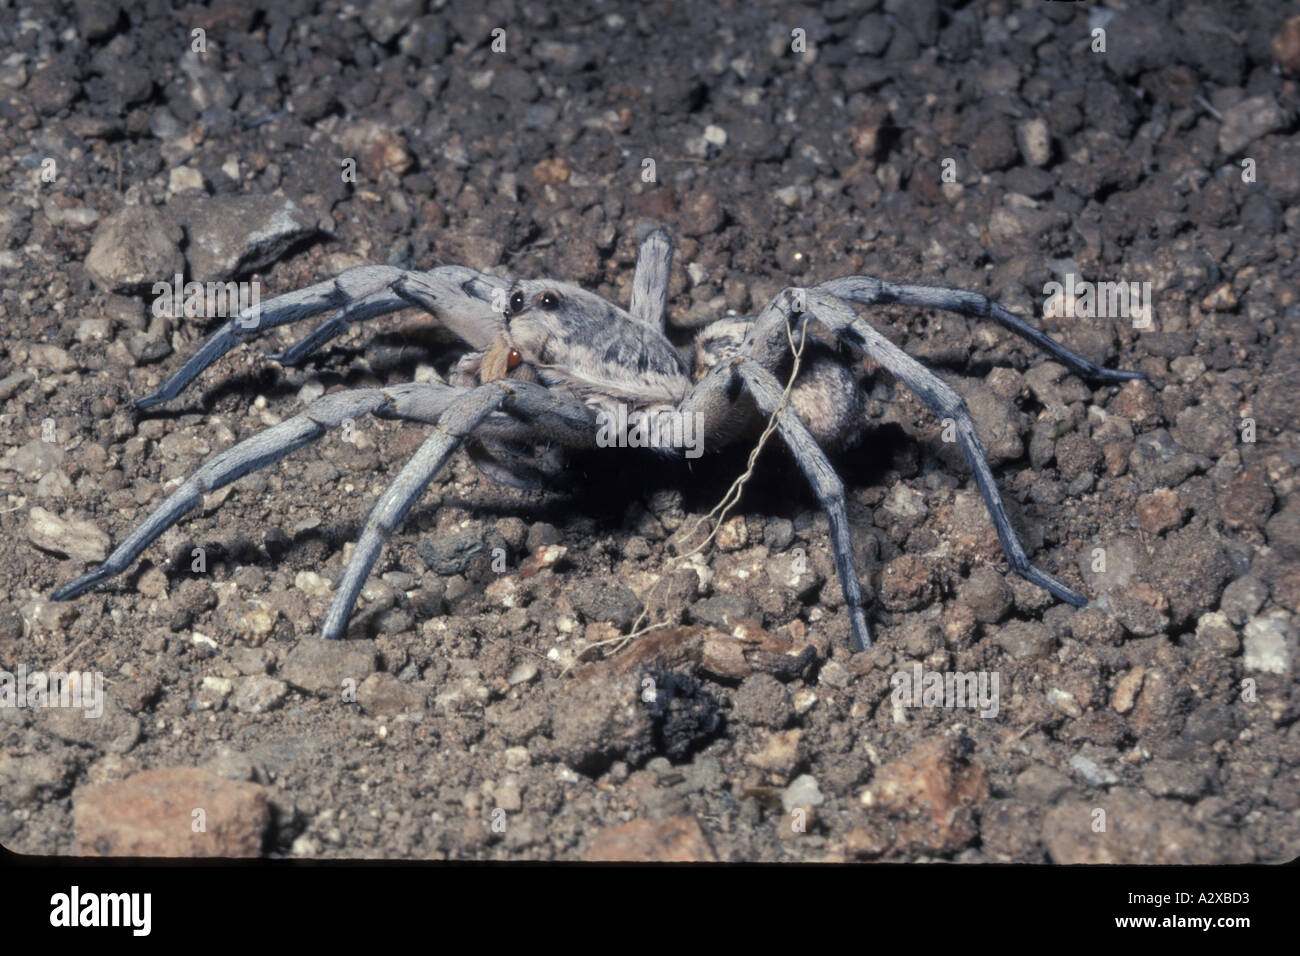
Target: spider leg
946, 403
335, 326
650, 281
826, 484
457, 295
870, 291
433, 291
554, 415
418, 402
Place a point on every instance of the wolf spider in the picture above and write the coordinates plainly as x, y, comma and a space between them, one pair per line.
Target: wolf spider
549, 362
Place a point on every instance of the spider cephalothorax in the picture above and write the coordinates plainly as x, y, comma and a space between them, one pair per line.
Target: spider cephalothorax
550, 363
577, 340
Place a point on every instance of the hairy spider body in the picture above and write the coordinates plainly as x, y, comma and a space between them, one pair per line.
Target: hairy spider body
549, 361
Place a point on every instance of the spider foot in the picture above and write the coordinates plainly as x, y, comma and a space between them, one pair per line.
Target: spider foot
858, 626
1051, 585
298, 352
1099, 374
78, 587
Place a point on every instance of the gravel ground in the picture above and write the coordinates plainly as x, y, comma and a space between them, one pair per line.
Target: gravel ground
480, 715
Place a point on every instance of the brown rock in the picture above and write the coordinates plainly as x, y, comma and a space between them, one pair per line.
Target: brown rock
549, 172
1100, 727
987, 595
546, 556
906, 584
1247, 500
1077, 455
1283, 532
114, 731
931, 793
779, 753
1286, 586
1158, 709
1126, 690
1159, 510
172, 812
1138, 403
958, 626
328, 668
378, 148
701, 214
382, 694
733, 535
1190, 567
1026, 640
604, 720
1286, 47
675, 840
866, 139
1115, 455
866, 842
1221, 299
228, 16
134, 248
1129, 827
1010, 831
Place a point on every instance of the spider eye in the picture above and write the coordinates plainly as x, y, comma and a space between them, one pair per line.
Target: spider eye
514, 359
517, 302
550, 301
